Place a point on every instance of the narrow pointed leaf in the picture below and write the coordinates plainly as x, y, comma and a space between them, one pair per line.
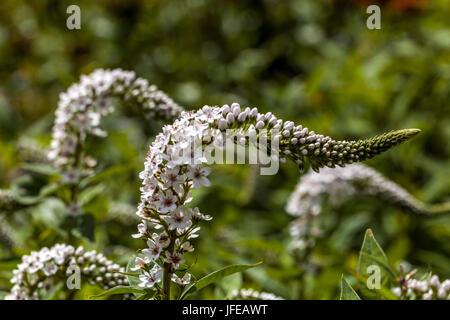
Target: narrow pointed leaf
347, 292
216, 276
119, 290
373, 261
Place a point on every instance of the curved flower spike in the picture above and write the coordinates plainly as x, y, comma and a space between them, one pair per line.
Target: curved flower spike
330, 152
336, 186
41, 270
342, 184
81, 107
173, 166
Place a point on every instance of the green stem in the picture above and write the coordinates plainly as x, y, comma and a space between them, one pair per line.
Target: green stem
167, 267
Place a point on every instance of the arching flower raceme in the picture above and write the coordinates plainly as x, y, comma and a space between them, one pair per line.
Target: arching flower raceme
175, 165
79, 114
81, 107
336, 186
40, 271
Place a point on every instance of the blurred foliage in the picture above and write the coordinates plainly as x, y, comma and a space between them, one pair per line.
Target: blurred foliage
313, 62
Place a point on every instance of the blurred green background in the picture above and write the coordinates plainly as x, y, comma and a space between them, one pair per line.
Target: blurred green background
313, 62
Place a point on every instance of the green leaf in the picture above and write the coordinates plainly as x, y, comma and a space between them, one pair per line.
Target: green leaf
347, 292
118, 290
20, 193
230, 284
109, 173
52, 212
41, 168
131, 274
145, 296
371, 254
216, 276
373, 270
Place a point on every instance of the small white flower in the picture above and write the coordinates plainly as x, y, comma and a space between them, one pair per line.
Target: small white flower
421, 286
35, 266
178, 220
142, 229
428, 295
166, 202
446, 285
163, 239
441, 293
148, 279
193, 233
50, 268
187, 247
139, 263
182, 281
175, 258
198, 176
434, 281
153, 251
172, 178
45, 254
196, 214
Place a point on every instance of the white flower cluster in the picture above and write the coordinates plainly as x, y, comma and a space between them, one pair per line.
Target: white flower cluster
251, 294
40, 270
336, 186
82, 106
430, 289
169, 176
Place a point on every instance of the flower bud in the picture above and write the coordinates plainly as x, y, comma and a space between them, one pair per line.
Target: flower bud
242, 116
222, 124
230, 118
260, 125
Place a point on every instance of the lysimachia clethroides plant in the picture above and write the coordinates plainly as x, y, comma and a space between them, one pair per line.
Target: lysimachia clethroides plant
176, 164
